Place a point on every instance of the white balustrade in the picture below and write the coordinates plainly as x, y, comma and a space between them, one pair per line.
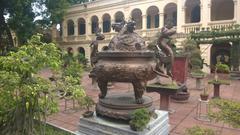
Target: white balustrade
192, 27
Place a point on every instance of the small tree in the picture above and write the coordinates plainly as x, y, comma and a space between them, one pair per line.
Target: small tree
87, 102
24, 96
191, 50
68, 84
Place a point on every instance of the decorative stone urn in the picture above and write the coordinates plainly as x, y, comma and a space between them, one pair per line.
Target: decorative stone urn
125, 59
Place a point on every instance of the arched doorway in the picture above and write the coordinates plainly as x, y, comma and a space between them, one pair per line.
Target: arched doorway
106, 23
137, 17
220, 52
70, 27
152, 17
95, 24
192, 11
81, 51
170, 14
222, 10
81, 26
81, 56
119, 16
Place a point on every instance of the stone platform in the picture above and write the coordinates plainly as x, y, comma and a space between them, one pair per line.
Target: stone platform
122, 105
158, 125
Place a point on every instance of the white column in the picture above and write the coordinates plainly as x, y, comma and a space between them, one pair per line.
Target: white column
100, 25
75, 27
88, 28
144, 25
65, 30
144, 22
54, 32
238, 11
209, 6
204, 12
201, 13
180, 16
112, 21
181, 19
236, 7
161, 20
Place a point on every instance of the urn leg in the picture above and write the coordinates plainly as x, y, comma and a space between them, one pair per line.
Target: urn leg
103, 88
138, 91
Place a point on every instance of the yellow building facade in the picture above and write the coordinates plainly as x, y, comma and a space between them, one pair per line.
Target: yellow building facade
81, 20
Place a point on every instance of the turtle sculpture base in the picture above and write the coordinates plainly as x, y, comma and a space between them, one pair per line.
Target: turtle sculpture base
121, 105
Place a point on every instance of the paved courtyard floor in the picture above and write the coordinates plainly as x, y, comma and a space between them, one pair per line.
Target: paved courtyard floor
184, 116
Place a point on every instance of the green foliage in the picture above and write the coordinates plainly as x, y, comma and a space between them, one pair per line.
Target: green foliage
82, 59
228, 111
198, 73
21, 15
196, 130
222, 68
87, 102
191, 50
68, 84
50, 130
25, 96
139, 119
218, 81
73, 69
223, 35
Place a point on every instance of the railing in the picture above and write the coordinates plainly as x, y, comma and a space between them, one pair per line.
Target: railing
151, 32
80, 37
70, 38
192, 27
108, 36
226, 24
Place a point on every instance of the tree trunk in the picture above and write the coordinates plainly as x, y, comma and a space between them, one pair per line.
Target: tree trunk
1, 31
4, 29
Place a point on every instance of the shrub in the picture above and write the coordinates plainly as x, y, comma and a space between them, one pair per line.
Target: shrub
222, 68
24, 96
139, 119
228, 111
196, 130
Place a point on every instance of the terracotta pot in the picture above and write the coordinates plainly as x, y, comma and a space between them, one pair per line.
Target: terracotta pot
204, 97
88, 114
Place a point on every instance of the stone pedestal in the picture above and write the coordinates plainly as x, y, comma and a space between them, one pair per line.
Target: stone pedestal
158, 125
122, 105
216, 93
216, 84
165, 93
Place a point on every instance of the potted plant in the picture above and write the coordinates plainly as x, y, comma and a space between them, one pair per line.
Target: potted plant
87, 102
204, 95
139, 119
